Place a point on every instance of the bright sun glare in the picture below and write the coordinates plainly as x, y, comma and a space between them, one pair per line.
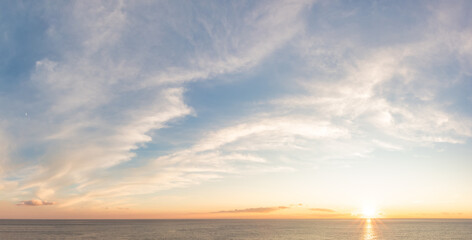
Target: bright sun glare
368, 212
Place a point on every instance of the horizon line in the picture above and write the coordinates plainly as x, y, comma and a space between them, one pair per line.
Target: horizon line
391, 218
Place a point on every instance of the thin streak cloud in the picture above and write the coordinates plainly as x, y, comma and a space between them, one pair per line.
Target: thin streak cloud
322, 210
255, 210
35, 203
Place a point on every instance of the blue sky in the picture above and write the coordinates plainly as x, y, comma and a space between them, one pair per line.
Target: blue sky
328, 104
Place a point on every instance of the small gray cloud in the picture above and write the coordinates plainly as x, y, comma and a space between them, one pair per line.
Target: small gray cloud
35, 202
255, 210
322, 210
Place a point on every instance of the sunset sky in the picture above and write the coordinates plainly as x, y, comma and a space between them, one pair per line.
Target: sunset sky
235, 109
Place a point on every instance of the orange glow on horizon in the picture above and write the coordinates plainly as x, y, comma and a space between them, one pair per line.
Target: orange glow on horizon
10, 210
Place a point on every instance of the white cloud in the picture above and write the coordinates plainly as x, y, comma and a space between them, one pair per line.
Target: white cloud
243, 44
366, 98
121, 72
108, 88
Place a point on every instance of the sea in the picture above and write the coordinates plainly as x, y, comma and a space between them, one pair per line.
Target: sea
365, 229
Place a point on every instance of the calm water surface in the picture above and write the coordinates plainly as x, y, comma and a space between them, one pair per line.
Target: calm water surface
236, 229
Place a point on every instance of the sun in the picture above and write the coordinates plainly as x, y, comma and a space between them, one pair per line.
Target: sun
369, 212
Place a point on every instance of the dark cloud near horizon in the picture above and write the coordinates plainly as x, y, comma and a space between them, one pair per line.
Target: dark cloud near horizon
255, 210
35, 202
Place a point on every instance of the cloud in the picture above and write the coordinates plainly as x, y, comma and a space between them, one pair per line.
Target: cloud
112, 82
362, 97
35, 202
381, 90
255, 210
120, 71
227, 151
322, 210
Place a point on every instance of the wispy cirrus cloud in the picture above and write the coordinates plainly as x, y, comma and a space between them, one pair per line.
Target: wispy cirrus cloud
97, 102
84, 127
322, 210
255, 210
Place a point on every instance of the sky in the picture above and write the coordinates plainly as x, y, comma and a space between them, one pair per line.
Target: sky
235, 109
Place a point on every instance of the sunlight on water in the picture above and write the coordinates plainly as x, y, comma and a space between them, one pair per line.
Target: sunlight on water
369, 230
